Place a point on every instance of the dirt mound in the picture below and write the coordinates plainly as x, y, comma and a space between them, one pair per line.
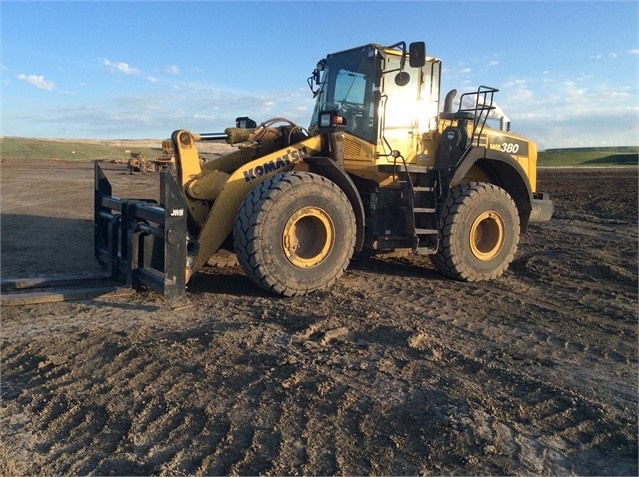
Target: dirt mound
395, 370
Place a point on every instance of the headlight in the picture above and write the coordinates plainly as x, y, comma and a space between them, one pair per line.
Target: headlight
331, 119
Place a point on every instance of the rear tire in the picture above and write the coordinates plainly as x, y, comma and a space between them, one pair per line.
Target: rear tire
295, 233
479, 232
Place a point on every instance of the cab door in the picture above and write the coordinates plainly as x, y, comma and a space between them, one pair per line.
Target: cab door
399, 108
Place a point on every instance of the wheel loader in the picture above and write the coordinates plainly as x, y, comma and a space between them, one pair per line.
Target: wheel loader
382, 169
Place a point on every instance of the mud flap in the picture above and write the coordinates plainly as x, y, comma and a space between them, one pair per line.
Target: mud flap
141, 242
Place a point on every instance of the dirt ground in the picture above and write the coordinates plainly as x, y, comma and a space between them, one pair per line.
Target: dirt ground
394, 371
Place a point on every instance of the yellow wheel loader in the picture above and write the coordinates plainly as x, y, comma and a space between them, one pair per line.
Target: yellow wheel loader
382, 169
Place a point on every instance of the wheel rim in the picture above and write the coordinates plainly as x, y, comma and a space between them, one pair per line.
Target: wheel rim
308, 237
487, 235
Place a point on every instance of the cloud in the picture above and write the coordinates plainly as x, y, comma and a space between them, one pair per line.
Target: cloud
634, 51
553, 110
206, 117
587, 130
172, 70
120, 67
570, 112
152, 79
197, 106
38, 81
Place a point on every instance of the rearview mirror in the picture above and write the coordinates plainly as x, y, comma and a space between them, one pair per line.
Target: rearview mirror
417, 53
402, 78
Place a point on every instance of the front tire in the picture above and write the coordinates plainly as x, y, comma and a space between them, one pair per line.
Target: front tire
295, 233
479, 232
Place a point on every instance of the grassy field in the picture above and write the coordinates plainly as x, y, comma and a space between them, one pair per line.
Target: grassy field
590, 156
90, 150
74, 150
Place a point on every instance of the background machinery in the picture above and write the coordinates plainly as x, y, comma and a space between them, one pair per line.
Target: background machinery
379, 170
138, 161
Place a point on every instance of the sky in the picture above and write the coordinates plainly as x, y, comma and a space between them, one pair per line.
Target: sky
567, 71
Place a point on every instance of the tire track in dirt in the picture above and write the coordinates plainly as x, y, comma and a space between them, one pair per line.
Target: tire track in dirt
561, 343
69, 426
556, 301
163, 431
482, 344
237, 451
297, 400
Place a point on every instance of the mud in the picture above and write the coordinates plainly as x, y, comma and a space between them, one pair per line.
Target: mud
394, 371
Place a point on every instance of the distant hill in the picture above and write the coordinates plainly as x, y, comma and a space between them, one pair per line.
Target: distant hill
590, 156
74, 149
88, 149
623, 149
96, 149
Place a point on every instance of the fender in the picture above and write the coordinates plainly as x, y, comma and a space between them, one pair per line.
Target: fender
219, 222
505, 172
328, 168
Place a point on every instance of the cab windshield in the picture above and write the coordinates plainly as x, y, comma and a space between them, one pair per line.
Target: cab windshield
350, 85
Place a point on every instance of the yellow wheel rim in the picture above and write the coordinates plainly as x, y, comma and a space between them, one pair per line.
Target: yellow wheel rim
309, 236
487, 235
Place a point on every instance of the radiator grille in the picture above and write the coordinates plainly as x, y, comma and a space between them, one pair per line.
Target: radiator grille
351, 148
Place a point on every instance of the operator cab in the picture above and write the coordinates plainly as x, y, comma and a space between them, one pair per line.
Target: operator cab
349, 86
373, 93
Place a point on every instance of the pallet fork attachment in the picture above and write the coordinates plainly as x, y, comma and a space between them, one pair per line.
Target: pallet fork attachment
141, 241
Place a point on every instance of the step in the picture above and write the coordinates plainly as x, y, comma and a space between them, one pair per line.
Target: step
426, 231
424, 210
425, 251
